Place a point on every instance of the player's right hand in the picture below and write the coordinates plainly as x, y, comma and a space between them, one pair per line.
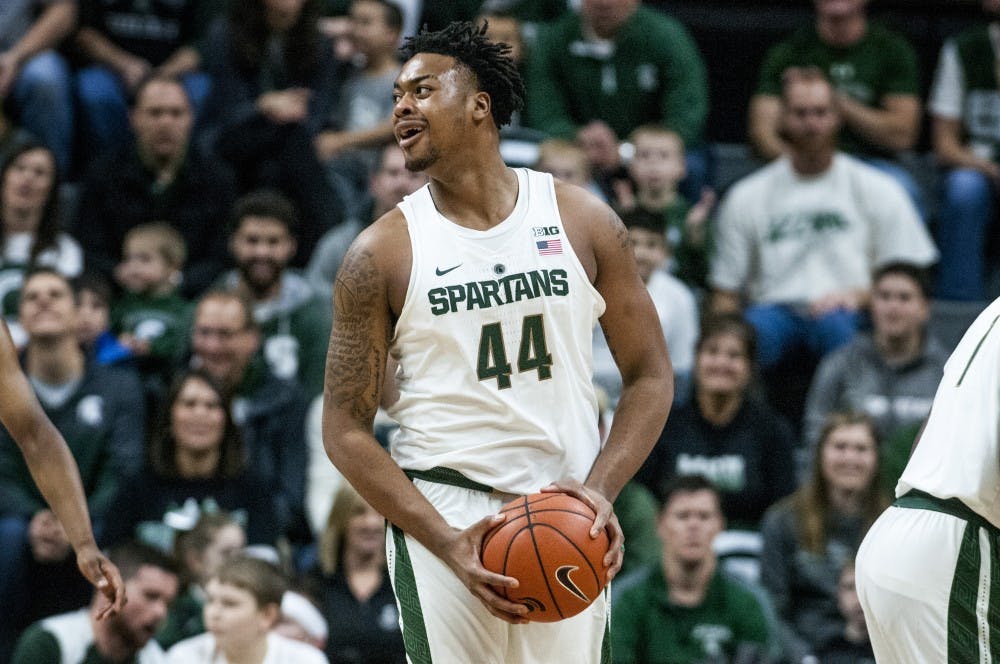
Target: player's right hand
462, 555
104, 576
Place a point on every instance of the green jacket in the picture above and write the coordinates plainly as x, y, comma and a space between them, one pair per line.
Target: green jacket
647, 628
295, 329
651, 73
881, 63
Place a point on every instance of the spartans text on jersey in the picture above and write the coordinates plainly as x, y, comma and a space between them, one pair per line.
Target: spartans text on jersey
498, 292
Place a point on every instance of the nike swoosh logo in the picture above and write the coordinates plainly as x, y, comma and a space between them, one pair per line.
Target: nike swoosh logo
562, 576
439, 272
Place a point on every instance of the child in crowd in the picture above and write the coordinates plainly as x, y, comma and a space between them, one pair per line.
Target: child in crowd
151, 319
674, 302
243, 604
656, 169
213, 540
93, 316
567, 161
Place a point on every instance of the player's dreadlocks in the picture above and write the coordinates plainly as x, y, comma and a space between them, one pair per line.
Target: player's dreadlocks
490, 62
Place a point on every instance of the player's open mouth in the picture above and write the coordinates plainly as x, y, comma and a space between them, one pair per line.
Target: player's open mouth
408, 133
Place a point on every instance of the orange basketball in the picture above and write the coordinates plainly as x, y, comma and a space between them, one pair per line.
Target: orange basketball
545, 544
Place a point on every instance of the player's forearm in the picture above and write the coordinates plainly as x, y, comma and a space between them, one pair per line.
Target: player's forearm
639, 418
58, 479
380, 481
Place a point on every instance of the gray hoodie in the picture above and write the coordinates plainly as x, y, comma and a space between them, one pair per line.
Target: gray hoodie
857, 378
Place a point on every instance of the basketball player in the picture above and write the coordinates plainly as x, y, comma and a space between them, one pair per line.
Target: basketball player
483, 287
54, 471
928, 572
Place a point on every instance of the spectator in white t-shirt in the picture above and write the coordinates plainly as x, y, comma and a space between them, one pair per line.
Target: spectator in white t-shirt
796, 242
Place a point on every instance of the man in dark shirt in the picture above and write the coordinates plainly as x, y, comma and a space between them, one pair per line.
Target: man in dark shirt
161, 176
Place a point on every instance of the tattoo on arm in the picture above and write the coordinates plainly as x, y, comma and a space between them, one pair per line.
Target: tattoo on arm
621, 233
355, 362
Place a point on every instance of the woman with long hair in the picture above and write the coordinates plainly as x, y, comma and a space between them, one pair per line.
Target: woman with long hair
809, 536
29, 224
357, 598
196, 464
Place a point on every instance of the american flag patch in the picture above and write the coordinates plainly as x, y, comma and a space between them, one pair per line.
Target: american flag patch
549, 247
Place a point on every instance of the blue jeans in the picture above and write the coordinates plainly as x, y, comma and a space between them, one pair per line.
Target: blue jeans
967, 208
780, 328
43, 99
104, 105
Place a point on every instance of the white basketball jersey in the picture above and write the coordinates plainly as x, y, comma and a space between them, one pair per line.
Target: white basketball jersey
494, 347
959, 455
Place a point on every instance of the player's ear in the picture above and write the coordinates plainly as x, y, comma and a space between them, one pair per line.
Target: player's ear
481, 105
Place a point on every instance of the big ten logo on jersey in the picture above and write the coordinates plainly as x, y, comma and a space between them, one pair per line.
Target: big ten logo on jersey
544, 231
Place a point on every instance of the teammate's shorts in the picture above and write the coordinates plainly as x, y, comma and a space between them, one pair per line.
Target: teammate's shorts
443, 622
928, 577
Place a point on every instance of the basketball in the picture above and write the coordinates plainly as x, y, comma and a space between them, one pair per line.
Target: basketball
545, 544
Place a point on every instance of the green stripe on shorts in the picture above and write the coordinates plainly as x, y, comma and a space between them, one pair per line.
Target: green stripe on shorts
993, 615
963, 633
606, 641
414, 631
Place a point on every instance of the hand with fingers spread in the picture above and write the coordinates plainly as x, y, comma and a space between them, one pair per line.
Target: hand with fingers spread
104, 576
605, 520
462, 554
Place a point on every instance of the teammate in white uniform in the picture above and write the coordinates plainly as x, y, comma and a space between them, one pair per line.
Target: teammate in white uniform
484, 288
928, 572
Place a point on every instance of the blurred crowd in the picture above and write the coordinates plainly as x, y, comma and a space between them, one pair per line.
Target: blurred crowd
181, 179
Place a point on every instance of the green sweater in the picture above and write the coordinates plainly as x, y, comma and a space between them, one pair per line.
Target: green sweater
163, 321
652, 73
103, 422
295, 330
647, 628
881, 63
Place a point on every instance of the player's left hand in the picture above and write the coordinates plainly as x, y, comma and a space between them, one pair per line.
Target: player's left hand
104, 576
605, 519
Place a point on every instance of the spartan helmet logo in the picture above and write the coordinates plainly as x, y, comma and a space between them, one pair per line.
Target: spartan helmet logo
562, 576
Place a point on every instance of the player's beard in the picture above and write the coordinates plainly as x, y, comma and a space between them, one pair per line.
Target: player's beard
417, 164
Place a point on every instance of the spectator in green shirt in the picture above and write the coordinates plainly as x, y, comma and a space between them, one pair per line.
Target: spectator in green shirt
874, 72
685, 610
614, 66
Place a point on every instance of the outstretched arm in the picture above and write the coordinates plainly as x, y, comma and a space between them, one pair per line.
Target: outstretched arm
54, 470
355, 371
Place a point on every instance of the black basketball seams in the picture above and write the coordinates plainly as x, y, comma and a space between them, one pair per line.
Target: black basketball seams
538, 558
